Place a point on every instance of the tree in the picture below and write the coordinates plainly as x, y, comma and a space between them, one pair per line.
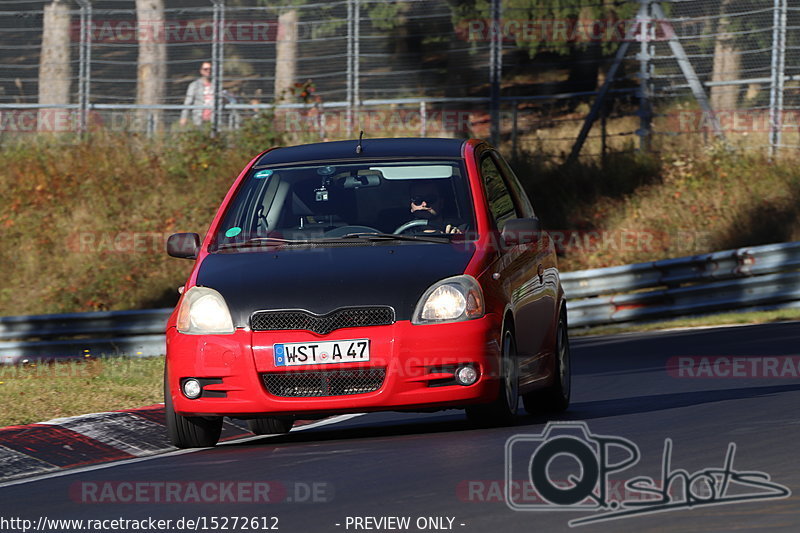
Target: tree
556, 27
54, 63
725, 32
151, 65
285, 54
727, 62
382, 14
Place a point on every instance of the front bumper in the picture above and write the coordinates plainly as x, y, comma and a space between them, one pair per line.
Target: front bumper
417, 361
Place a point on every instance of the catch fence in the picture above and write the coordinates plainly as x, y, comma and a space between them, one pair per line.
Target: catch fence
582, 80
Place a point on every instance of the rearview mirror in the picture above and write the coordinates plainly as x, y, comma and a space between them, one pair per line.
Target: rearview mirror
183, 245
521, 231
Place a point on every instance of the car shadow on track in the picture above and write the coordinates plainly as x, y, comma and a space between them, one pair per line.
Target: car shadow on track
370, 429
432, 424
662, 402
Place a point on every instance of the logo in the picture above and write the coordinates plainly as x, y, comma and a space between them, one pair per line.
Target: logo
593, 458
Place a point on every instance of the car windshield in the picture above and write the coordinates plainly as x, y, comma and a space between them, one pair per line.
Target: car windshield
373, 201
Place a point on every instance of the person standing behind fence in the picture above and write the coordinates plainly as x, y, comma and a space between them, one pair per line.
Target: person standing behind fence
199, 92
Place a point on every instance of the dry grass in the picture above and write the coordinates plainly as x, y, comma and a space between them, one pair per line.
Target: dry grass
39, 392
84, 223
684, 198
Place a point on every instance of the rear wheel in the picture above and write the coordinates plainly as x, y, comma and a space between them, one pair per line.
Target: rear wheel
190, 431
503, 410
554, 398
270, 425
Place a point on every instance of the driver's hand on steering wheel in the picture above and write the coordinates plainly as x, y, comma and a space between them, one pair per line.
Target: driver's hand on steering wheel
450, 228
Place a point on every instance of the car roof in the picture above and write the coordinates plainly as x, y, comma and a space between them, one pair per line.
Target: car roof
415, 147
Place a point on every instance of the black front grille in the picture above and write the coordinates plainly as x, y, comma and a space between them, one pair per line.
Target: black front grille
347, 317
331, 383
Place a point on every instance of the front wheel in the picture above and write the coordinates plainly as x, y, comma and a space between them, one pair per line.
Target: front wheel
503, 410
270, 425
190, 431
554, 398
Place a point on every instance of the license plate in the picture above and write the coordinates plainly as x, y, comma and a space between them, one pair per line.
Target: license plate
321, 353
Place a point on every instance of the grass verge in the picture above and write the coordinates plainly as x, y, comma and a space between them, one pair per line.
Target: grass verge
39, 392
720, 319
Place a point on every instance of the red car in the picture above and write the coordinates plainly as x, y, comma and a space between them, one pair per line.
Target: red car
356, 276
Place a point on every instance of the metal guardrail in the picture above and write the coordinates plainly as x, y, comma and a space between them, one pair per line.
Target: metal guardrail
756, 277
761, 277
78, 335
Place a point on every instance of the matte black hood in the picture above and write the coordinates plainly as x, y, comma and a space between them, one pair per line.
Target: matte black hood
323, 279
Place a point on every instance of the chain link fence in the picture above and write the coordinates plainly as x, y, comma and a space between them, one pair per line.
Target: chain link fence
579, 80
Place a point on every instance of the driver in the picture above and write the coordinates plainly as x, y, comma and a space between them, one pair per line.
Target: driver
427, 204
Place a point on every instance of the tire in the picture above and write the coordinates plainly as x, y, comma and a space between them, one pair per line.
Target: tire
270, 425
503, 410
555, 398
190, 431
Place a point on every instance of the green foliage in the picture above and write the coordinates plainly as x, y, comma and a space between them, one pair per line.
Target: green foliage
553, 25
258, 133
385, 15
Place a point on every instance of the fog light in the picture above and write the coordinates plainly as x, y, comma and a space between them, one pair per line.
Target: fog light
192, 388
466, 375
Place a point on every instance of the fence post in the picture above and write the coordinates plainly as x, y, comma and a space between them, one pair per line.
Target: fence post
644, 21
423, 119
514, 118
691, 76
356, 55
777, 82
217, 60
84, 64
349, 97
321, 121
495, 70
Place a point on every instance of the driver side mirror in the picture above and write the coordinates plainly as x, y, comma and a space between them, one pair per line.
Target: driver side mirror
521, 231
183, 245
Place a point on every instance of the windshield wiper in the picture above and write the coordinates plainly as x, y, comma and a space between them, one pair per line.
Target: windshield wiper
264, 241
397, 237
376, 237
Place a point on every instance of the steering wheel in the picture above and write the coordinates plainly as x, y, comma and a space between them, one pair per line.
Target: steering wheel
410, 225
344, 230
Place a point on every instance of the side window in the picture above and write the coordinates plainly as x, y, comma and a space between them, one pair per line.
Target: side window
516, 187
500, 202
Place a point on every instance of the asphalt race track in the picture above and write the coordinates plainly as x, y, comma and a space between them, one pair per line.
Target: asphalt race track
691, 393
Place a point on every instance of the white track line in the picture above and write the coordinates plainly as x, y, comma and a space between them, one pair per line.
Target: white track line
69, 472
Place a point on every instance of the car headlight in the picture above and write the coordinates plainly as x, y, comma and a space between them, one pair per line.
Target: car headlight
450, 300
204, 311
